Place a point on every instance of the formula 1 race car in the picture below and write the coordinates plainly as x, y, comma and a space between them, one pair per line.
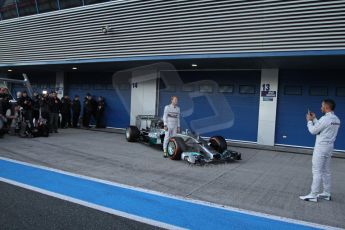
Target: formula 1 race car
196, 150
186, 146
148, 129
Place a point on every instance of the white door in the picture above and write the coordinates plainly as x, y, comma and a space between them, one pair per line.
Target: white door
143, 93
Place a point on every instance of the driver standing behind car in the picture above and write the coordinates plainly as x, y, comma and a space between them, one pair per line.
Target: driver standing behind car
171, 119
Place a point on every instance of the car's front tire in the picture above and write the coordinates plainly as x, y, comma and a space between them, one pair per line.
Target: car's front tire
132, 134
218, 143
176, 146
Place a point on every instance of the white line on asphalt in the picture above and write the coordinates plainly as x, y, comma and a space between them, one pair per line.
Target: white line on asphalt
91, 205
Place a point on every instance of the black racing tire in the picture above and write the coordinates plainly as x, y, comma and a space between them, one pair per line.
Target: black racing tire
176, 146
218, 143
132, 133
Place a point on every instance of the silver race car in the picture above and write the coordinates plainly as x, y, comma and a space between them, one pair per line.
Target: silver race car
148, 129
196, 150
186, 146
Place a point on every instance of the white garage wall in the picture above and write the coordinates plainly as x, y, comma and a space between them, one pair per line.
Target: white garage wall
268, 108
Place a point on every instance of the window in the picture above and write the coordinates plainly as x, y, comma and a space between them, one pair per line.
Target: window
340, 92
99, 86
170, 88
318, 91
247, 89
188, 88
51, 86
206, 88
85, 86
46, 6
64, 4
16, 8
87, 2
8, 10
26, 7
109, 87
226, 89
124, 87
293, 90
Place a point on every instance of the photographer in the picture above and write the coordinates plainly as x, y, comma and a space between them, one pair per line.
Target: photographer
4, 105
325, 129
55, 107
2, 125
4, 100
36, 107
44, 106
26, 103
13, 119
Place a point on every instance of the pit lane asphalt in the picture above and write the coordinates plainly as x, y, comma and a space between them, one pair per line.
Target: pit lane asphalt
265, 181
23, 209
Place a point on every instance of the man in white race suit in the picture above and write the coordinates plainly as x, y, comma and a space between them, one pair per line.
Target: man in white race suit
171, 119
326, 130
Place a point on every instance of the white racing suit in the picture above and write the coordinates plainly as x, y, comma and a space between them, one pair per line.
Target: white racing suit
171, 119
326, 130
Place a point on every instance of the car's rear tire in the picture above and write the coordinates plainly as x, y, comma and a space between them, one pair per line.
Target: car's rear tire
218, 143
132, 133
176, 146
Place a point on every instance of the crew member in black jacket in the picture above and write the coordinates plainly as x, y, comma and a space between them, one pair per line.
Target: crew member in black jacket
45, 106
89, 109
26, 103
66, 112
55, 107
36, 107
76, 108
100, 112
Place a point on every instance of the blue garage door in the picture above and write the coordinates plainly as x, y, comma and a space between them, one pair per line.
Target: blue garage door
101, 84
215, 102
303, 90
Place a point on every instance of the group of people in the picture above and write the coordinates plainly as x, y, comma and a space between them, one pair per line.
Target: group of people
57, 113
92, 108
50, 106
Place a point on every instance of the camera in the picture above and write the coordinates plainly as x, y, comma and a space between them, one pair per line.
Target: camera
106, 29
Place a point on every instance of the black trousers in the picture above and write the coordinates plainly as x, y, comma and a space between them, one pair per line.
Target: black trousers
75, 121
65, 120
99, 116
28, 117
86, 119
53, 121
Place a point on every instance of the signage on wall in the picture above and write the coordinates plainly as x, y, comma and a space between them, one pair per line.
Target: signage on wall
267, 94
60, 92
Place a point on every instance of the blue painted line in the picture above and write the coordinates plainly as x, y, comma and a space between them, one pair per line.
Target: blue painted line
185, 57
164, 209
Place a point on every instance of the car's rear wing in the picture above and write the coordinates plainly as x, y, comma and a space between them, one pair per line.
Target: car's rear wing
144, 121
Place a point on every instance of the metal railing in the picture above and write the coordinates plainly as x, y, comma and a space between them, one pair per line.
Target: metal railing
25, 82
